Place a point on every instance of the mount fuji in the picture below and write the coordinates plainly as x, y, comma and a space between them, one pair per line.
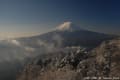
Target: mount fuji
70, 34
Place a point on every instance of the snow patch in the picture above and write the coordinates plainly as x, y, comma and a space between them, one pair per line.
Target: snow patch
69, 26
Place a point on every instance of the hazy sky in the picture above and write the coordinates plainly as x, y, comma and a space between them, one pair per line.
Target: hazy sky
19, 17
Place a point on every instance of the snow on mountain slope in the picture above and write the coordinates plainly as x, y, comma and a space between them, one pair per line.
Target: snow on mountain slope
77, 64
68, 26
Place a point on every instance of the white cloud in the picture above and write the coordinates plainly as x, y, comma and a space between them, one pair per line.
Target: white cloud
30, 49
15, 42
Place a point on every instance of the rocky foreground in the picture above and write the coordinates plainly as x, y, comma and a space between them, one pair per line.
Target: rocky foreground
76, 63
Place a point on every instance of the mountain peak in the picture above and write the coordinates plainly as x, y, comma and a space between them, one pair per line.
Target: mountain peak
69, 26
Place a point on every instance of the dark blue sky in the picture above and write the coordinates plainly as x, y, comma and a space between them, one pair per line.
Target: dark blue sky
31, 16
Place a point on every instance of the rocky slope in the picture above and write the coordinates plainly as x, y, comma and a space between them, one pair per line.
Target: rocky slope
76, 63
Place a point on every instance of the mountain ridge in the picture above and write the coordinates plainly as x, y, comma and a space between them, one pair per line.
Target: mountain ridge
68, 34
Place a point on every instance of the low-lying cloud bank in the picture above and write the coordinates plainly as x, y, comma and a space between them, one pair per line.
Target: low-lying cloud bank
17, 50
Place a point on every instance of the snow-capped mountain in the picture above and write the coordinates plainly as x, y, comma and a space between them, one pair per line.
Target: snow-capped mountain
69, 34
